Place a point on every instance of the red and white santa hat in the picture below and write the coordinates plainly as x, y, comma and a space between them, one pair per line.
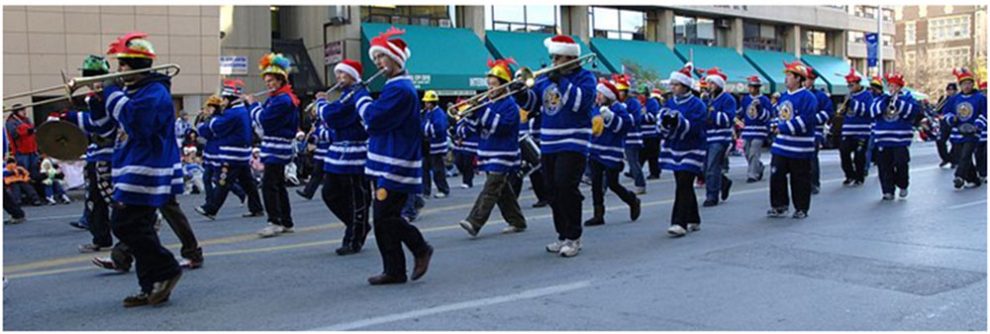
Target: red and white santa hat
608, 89
754, 81
683, 75
715, 76
350, 67
562, 45
394, 48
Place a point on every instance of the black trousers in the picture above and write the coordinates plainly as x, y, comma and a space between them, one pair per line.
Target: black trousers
465, 165
816, 173
650, 155
315, 180
852, 154
13, 207
348, 196
563, 172
392, 231
601, 176
892, 163
226, 180
177, 221
276, 196
685, 203
965, 158
20, 189
941, 143
538, 181
433, 164
98, 208
981, 159
134, 226
799, 171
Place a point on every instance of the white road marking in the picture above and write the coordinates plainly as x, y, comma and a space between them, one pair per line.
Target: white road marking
960, 206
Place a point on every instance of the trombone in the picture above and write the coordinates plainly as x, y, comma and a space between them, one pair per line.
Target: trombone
71, 85
336, 86
523, 75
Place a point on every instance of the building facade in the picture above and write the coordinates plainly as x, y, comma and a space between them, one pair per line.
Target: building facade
932, 40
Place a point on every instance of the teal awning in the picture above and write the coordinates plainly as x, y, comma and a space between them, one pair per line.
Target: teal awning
771, 66
833, 70
435, 63
644, 61
731, 63
916, 94
527, 49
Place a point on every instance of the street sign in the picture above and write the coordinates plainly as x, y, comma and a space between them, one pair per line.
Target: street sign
233, 65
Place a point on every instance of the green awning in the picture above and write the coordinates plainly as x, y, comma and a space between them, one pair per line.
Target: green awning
449, 60
771, 66
644, 61
731, 63
833, 70
527, 49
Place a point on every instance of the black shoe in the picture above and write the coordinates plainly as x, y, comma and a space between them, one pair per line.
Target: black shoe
627, 174
776, 212
725, 189
422, 263
710, 203
162, 290
635, 209
751, 180
303, 194
815, 190
540, 204
79, 225
653, 177
943, 164
347, 250
202, 212
140, 299
847, 182
595, 221
385, 279
958, 183
252, 214
800, 215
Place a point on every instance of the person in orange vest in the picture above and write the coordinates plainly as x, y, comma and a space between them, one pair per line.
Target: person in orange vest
15, 180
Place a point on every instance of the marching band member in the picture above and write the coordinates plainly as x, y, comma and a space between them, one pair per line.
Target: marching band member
682, 127
498, 154
465, 150
395, 160
824, 114
966, 113
566, 97
651, 137
229, 131
606, 153
793, 148
529, 124
321, 139
346, 189
893, 131
755, 116
721, 112
435, 131
146, 169
855, 131
278, 119
876, 91
634, 137
947, 155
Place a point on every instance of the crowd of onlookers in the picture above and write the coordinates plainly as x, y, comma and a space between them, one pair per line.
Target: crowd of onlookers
29, 177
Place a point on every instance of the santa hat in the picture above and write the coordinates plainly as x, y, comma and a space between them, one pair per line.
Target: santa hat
852, 77
232, 87
683, 75
621, 82
350, 67
895, 78
656, 93
715, 76
797, 67
562, 45
501, 68
394, 48
754, 81
963, 74
608, 89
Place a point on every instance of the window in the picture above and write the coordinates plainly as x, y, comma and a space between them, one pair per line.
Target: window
857, 37
910, 59
948, 28
814, 42
617, 23
694, 30
523, 18
417, 15
910, 34
762, 36
888, 40
949, 58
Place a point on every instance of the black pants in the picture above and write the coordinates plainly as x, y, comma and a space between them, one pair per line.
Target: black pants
685, 203
965, 158
20, 189
562, 173
852, 153
392, 231
816, 173
601, 176
348, 196
433, 164
498, 190
12, 206
799, 171
650, 155
536, 179
177, 221
892, 163
941, 143
98, 208
275, 195
134, 226
226, 180
981, 159
315, 180
465, 166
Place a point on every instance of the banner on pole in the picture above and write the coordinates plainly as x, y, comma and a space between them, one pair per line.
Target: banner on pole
872, 46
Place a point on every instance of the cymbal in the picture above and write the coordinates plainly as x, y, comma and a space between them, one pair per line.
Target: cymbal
62, 140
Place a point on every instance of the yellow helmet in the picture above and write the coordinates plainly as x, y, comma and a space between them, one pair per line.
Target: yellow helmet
431, 96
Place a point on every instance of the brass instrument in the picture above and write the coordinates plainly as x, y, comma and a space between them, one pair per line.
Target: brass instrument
71, 85
523, 75
257, 94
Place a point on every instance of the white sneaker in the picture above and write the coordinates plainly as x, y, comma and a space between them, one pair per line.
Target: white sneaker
465, 186
640, 190
271, 231
555, 246
676, 231
903, 193
512, 229
570, 248
694, 227
439, 195
66, 199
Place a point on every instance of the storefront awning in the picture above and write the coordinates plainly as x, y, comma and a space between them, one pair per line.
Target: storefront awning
833, 70
527, 49
731, 63
771, 66
449, 60
644, 61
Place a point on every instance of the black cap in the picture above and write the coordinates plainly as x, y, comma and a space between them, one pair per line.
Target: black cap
952, 86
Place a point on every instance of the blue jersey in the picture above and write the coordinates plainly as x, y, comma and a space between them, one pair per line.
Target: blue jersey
648, 124
796, 120
567, 108
498, 127
230, 134
94, 152
467, 137
894, 124
755, 113
634, 136
435, 129
684, 144
348, 150
607, 148
967, 109
823, 113
721, 112
279, 122
395, 153
858, 119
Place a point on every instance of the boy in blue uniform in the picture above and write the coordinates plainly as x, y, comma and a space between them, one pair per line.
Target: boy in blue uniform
278, 119
755, 113
606, 153
793, 148
893, 131
682, 125
651, 136
634, 136
823, 114
855, 131
465, 150
966, 113
434, 122
721, 112
395, 160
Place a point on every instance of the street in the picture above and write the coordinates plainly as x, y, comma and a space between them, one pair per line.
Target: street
855, 264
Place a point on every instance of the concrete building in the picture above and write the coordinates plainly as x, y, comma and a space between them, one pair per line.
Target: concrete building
41, 41
932, 40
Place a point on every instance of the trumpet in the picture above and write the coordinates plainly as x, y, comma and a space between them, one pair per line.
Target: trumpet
71, 85
523, 75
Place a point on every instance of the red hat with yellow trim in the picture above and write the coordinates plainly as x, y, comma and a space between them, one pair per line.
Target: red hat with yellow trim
501, 68
876, 81
797, 67
852, 77
621, 81
963, 74
132, 45
895, 78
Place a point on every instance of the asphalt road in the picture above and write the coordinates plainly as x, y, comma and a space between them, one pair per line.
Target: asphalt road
855, 264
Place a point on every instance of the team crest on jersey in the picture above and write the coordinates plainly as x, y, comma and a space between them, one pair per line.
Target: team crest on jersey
891, 114
551, 100
964, 111
785, 110
753, 110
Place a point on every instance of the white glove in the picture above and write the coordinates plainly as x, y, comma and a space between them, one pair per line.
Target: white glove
606, 114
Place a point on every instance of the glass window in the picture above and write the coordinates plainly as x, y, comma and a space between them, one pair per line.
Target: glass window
949, 28
694, 30
910, 35
857, 37
814, 42
417, 15
761, 36
616, 23
522, 18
